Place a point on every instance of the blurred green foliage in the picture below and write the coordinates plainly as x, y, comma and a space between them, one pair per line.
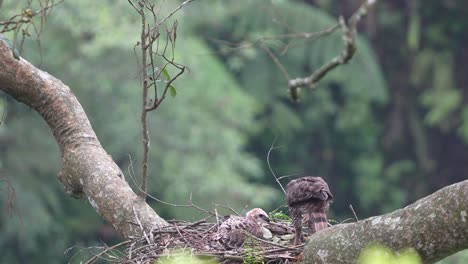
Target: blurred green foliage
377, 254
385, 130
184, 257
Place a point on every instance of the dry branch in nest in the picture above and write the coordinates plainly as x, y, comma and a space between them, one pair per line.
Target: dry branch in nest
195, 238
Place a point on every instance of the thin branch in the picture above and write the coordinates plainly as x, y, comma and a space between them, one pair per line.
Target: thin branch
349, 40
270, 243
93, 259
25, 18
303, 35
275, 60
354, 213
228, 207
2, 120
144, 122
287, 176
190, 205
175, 11
133, 5
168, 85
269, 165
140, 225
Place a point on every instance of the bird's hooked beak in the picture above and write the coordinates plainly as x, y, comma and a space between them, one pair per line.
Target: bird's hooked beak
265, 218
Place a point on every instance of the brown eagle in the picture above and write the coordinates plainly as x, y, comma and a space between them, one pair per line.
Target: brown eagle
311, 197
232, 231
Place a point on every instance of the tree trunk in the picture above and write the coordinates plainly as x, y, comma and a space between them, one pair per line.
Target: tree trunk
435, 226
87, 170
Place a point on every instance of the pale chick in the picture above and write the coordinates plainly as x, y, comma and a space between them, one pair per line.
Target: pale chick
233, 230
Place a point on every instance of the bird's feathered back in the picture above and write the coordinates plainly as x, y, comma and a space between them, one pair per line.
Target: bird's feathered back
307, 189
309, 196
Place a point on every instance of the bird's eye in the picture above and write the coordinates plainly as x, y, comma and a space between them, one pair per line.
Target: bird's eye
264, 217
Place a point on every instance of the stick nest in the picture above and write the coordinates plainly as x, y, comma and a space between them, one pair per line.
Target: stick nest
194, 239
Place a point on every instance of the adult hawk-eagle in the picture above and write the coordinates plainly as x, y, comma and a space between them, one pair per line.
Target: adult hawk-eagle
311, 197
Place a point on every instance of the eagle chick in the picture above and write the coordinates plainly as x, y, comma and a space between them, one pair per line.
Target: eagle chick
232, 231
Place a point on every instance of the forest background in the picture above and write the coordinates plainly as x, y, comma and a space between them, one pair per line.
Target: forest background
385, 130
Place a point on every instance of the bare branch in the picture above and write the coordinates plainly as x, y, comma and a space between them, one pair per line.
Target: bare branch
146, 141
354, 212
18, 22
97, 256
276, 61
166, 88
349, 40
175, 11
303, 35
269, 165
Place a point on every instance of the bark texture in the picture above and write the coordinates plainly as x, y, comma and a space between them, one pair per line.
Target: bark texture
435, 226
87, 170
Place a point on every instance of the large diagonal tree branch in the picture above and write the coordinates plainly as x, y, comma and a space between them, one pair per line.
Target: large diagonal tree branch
87, 170
435, 226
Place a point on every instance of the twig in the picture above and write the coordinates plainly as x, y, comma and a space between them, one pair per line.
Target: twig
292, 36
94, 258
180, 234
269, 165
287, 176
268, 242
275, 60
346, 220
304, 35
354, 213
196, 223
144, 122
191, 205
229, 208
174, 11
131, 250
297, 247
25, 18
141, 226
20, 24
157, 101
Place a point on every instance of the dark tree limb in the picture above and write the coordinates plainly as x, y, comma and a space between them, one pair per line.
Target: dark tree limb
435, 226
349, 41
87, 170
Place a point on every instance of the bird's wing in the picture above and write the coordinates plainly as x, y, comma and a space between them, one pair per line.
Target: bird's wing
307, 188
231, 232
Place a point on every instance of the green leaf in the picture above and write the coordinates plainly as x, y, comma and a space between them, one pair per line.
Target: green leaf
173, 90
166, 74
